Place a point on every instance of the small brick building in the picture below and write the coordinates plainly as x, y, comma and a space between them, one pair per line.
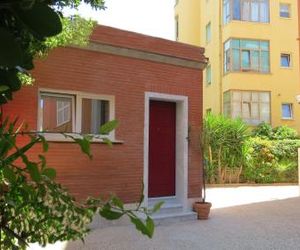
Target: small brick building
152, 86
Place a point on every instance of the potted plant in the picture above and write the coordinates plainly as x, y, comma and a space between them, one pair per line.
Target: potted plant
202, 208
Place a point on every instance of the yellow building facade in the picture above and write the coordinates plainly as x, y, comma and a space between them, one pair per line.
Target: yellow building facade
253, 52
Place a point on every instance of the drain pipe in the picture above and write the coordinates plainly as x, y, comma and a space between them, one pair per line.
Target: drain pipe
221, 56
299, 169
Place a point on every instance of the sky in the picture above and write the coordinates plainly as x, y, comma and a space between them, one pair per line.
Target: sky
150, 17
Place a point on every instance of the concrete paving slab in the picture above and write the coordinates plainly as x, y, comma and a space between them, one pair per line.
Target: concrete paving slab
272, 223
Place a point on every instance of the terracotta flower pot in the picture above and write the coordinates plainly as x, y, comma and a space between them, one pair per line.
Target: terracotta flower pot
202, 209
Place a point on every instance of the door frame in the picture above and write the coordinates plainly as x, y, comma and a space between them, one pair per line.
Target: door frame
181, 161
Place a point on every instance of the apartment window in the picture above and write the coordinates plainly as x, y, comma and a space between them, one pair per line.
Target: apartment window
73, 113
287, 111
208, 33
285, 10
246, 55
208, 74
251, 106
246, 10
226, 11
285, 60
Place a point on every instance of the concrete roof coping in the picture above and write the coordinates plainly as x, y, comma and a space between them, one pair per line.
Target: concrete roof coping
132, 40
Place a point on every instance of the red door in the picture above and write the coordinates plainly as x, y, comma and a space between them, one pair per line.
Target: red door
162, 131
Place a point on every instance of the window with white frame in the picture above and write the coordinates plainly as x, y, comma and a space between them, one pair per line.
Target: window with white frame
208, 74
246, 10
73, 112
56, 112
246, 55
287, 111
285, 60
251, 106
285, 10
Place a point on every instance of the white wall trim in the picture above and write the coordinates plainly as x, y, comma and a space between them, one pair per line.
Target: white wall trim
181, 144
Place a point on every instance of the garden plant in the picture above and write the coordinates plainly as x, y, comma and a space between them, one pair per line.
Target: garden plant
237, 153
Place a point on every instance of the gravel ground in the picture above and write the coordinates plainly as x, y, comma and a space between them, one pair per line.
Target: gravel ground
270, 224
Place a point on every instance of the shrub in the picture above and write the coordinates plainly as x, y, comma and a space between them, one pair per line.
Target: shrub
259, 168
223, 144
271, 161
284, 132
263, 130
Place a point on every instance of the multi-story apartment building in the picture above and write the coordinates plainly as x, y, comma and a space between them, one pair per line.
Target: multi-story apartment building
254, 56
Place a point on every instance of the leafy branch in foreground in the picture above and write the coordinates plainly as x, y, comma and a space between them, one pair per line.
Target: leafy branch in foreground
29, 29
34, 208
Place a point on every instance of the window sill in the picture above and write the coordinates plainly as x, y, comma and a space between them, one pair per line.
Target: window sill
53, 137
247, 72
285, 18
287, 119
248, 22
282, 67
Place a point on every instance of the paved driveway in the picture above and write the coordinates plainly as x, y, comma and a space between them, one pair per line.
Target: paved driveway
270, 224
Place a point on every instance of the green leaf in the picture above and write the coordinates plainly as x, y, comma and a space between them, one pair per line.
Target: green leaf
9, 174
10, 51
3, 88
44, 143
108, 127
20, 153
108, 214
43, 161
30, 191
107, 141
140, 226
157, 207
33, 171
50, 173
117, 202
150, 226
84, 144
41, 19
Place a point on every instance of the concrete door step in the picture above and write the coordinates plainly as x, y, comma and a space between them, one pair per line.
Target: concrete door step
161, 219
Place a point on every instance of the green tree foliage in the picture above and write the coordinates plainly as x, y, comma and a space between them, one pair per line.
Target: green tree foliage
95, 4
25, 28
34, 208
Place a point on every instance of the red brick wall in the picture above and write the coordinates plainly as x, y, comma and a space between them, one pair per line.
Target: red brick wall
117, 169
